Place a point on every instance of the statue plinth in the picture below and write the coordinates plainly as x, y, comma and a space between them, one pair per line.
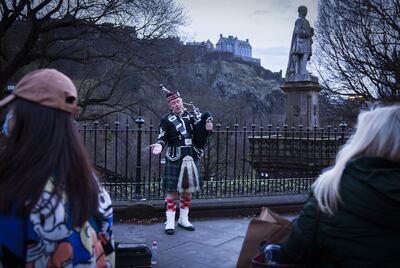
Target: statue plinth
302, 105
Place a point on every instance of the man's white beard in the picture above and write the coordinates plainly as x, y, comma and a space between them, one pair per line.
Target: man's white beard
179, 113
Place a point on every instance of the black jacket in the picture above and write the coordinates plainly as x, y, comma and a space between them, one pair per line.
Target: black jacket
365, 231
170, 136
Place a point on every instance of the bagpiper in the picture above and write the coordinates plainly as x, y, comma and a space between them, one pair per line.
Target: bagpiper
184, 134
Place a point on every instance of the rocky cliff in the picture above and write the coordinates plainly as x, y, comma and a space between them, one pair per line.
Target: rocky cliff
230, 87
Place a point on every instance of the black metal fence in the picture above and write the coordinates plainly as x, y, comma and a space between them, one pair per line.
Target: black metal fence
238, 160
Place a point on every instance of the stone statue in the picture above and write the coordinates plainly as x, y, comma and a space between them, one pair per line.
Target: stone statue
300, 49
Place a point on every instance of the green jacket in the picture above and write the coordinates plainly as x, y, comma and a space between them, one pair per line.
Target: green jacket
365, 231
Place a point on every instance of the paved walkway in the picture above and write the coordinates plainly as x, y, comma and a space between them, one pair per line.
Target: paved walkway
214, 243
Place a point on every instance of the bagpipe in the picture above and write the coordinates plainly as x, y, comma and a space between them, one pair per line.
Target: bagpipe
200, 119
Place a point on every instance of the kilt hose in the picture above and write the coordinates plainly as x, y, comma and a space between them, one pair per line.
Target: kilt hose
172, 171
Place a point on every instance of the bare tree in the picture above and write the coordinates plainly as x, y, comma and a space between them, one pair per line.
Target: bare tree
336, 109
37, 33
358, 48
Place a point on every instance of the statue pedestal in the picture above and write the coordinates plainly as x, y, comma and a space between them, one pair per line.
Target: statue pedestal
302, 104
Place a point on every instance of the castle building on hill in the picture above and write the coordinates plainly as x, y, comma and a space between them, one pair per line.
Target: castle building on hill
239, 48
233, 44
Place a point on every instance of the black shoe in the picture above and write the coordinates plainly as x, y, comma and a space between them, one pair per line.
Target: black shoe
169, 231
189, 228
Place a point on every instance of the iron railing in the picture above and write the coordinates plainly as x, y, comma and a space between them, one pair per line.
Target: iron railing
238, 160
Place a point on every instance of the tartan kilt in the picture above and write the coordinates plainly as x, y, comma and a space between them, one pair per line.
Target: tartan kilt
172, 171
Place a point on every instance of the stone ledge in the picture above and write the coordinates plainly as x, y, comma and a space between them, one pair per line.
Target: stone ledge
217, 207
301, 86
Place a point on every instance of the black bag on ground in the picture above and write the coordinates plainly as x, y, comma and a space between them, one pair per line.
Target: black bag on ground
132, 255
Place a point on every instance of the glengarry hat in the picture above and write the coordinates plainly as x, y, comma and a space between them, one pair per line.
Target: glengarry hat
172, 95
47, 87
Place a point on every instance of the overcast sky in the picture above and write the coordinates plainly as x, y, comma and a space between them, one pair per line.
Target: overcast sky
268, 24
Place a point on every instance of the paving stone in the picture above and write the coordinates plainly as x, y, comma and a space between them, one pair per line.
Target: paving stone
195, 252
192, 264
239, 227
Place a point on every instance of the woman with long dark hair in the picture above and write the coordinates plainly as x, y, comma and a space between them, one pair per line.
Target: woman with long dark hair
53, 211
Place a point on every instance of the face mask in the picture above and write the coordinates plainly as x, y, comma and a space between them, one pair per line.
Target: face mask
6, 127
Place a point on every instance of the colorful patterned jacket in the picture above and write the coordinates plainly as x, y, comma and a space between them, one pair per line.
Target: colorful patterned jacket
50, 240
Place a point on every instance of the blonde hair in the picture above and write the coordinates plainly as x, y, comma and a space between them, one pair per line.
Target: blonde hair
377, 135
